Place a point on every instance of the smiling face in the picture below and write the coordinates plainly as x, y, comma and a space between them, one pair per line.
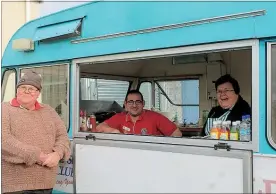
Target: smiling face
134, 104
27, 94
226, 95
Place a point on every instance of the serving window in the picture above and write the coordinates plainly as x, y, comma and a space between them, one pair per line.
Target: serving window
180, 87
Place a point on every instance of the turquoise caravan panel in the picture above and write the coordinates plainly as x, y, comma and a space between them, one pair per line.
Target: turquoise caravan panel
119, 27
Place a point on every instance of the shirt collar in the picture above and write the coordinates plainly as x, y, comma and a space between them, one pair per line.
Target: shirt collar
15, 103
141, 116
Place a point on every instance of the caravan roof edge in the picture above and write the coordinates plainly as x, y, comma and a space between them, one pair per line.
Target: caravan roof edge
139, 26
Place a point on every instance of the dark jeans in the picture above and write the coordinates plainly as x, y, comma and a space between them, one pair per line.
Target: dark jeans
40, 191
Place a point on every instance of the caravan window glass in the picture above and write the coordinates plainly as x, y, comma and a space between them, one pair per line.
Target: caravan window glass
272, 132
179, 100
146, 89
54, 88
8, 85
190, 101
103, 90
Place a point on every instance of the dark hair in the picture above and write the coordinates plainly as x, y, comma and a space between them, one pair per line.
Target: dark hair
134, 92
228, 78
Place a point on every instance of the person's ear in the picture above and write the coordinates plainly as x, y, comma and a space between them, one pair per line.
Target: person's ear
38, 94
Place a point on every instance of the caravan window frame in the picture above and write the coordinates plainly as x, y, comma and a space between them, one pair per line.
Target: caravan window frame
253, 44
270, 91
5, 82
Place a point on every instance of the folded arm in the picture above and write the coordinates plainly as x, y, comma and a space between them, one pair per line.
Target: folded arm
13, 150
105, 128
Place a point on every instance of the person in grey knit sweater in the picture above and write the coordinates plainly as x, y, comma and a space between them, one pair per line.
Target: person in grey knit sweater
34, 140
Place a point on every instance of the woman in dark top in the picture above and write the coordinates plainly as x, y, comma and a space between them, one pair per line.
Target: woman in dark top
231, 105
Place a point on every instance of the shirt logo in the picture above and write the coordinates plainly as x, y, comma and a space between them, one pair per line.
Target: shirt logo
126, 128
144, 131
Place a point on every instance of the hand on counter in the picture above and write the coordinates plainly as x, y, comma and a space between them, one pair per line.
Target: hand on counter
104, 128
115, 131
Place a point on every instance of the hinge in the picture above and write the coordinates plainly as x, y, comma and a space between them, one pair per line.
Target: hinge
222, 146
90, 136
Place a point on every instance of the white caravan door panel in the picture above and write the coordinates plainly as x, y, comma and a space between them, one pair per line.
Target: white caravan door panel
124, 167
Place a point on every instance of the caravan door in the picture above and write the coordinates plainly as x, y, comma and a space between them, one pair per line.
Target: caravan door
106, 166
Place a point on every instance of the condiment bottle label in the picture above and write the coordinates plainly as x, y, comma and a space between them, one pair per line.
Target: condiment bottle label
214, 135
233, 136
224, 136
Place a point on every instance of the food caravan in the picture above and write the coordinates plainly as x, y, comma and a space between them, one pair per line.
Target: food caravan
90, 56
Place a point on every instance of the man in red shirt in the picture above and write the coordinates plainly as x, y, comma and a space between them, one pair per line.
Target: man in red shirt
139, 121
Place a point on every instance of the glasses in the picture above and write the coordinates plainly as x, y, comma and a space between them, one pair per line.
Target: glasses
24, 89
137, 102
224, 91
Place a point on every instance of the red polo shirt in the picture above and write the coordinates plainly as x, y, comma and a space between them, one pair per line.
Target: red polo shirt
148, 123
15, 103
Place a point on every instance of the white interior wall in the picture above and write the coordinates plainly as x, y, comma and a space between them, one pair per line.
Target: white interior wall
161, 67
239, 65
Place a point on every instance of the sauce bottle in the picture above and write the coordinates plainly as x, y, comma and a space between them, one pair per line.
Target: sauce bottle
228, 128
238, 128
234, 134
224, 133
215, 132
84, 121
219, 126
92, 123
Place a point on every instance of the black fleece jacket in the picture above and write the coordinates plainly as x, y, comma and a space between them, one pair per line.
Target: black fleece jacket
240, 108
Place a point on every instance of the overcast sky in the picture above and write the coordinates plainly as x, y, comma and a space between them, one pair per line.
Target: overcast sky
47, 8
